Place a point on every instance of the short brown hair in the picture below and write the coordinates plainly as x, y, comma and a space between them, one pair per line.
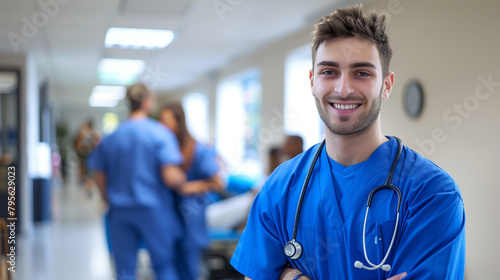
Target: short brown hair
352, 22
136, 94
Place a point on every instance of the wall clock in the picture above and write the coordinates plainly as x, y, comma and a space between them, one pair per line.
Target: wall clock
413, 99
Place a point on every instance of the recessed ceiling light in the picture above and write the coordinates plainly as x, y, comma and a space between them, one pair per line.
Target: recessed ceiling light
106, 96
133, 38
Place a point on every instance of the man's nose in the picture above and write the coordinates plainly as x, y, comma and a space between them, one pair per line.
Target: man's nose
343, 86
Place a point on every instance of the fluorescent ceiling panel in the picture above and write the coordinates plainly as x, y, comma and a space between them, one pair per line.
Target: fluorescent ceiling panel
132, 38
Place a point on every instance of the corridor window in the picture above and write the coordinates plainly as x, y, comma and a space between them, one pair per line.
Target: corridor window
197, 119
300, 109
238, 121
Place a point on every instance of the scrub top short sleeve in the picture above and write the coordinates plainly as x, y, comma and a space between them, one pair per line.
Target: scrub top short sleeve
168, 148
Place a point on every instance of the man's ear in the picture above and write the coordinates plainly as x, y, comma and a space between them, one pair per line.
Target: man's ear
387, 87
311, 76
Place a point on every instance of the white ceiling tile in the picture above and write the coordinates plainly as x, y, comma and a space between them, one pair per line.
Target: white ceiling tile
155, 7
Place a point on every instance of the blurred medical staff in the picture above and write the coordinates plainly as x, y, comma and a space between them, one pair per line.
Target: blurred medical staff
202, 171
137, 170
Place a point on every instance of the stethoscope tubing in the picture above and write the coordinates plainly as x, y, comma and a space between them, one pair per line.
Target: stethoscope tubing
304, 188
373, 266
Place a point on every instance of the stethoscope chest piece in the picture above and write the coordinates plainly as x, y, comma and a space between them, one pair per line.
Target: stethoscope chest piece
293, 249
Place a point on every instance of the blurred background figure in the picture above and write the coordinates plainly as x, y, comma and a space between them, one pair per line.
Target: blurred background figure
231, 213
86, 139
274, 159
293, 146
137, 170
203, 175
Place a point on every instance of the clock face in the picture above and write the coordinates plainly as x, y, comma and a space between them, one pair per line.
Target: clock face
413, 99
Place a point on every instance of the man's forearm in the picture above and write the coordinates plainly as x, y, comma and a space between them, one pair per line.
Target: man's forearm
173, 176
290, 273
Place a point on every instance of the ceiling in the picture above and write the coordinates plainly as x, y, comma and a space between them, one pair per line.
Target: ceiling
66, 37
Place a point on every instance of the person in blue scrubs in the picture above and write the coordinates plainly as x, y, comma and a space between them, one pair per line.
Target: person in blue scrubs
137, 169
350, 78
203, 176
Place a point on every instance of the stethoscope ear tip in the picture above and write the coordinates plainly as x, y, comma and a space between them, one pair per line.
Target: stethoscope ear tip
385, 267
358, 264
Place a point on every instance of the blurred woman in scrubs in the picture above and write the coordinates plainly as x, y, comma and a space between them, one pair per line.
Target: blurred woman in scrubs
202, 172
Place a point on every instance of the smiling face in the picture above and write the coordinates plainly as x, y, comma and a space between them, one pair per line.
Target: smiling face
348, 86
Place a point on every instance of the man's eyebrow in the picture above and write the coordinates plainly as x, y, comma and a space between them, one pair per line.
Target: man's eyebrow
328, 63
363, 64
353, 65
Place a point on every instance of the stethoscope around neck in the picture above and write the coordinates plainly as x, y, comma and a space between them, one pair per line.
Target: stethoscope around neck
293, 249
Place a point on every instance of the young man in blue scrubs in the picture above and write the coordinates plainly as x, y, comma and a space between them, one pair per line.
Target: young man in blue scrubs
137, 170
350, 78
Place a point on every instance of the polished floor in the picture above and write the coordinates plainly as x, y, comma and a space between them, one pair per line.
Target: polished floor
72, 245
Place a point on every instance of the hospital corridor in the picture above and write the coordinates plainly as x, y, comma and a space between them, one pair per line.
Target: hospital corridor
73, 245
259, 139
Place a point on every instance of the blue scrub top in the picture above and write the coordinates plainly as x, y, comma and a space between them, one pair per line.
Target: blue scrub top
430, 242
132, 158
204, 166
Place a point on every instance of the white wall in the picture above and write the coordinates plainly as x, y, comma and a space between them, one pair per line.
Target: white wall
451, 47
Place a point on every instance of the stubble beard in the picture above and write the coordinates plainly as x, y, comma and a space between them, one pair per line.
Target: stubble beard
365, 120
